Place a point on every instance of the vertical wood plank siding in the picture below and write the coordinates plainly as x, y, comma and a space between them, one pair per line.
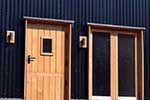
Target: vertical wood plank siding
120, 12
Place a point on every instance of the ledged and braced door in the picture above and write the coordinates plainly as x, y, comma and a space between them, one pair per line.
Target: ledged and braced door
45, 62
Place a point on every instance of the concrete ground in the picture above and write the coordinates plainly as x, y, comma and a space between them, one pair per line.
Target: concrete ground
9, 99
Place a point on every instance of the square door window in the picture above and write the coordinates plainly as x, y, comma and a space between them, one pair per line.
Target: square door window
46, 46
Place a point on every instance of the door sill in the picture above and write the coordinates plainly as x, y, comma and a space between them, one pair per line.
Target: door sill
101, 98
127, 98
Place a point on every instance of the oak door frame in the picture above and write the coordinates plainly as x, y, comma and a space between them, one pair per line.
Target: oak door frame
67, 24
113, 29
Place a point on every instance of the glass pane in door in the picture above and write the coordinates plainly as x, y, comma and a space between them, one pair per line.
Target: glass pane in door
126, 67
101, 64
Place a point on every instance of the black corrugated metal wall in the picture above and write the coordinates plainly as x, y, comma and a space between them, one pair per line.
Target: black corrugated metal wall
120, 12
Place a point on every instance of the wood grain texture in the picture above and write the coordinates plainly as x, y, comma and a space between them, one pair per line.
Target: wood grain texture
28, 66
140, 65
45, 74
68, 62
114, 65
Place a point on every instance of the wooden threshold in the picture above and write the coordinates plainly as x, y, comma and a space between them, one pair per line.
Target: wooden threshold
101, 98
127, 98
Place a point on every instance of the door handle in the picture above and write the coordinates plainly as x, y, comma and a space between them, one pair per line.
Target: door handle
30, 59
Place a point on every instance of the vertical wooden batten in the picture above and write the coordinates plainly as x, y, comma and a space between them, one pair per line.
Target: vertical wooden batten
114, 65
70, 31
68, 62
89, 63
25, 71
142, 37
140, 65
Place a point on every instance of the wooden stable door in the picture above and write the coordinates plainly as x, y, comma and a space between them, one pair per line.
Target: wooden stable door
45, 50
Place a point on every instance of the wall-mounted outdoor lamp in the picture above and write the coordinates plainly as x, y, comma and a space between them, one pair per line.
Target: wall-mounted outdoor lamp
10, 36
83, 42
